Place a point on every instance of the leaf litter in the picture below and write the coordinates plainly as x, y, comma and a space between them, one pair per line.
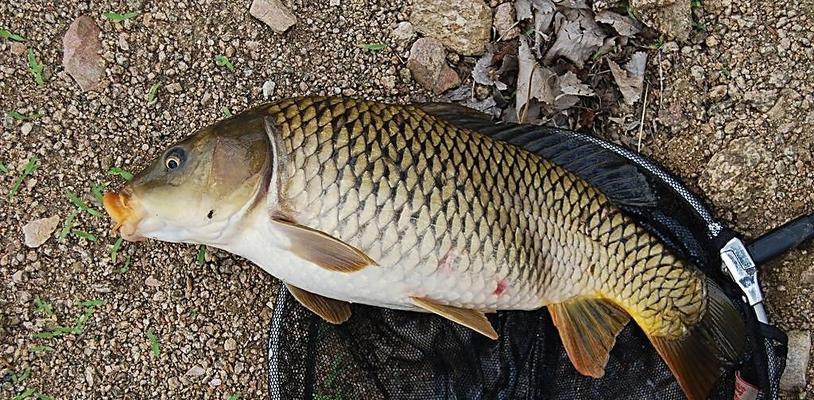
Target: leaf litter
563, 68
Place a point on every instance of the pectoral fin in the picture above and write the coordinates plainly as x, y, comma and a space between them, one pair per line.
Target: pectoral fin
331, 310
588, 329
472, 319
322, 249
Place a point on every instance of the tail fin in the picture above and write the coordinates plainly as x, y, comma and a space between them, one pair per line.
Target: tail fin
698, 359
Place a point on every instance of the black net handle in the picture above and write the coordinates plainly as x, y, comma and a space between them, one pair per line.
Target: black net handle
786, 237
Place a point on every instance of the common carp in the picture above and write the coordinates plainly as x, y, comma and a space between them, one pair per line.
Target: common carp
404, 207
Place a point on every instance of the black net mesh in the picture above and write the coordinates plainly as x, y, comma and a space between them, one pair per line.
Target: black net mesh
387, 354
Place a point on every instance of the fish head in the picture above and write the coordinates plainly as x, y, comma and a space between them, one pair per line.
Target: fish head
198, 189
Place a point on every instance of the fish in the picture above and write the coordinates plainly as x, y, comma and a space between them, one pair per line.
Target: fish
435, 208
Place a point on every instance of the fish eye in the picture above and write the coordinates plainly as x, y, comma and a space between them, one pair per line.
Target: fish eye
174, 159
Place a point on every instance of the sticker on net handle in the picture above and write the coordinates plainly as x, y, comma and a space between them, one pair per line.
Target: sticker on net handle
744, 390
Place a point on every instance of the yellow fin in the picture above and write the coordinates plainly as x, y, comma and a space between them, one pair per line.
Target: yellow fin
322, 249
472, 319
588, 328
697, 359
331, 310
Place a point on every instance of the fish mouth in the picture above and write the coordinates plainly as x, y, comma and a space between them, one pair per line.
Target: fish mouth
125, 216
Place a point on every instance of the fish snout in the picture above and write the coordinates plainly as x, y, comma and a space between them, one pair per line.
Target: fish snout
120, 207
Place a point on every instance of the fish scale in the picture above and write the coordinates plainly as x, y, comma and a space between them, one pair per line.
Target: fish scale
511, 215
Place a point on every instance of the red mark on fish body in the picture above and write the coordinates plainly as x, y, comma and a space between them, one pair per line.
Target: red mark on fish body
501, 287
447, 260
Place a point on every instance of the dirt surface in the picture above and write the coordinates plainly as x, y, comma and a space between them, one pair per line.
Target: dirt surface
735, 99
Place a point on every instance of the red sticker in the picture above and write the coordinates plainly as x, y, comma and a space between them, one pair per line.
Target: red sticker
744, 390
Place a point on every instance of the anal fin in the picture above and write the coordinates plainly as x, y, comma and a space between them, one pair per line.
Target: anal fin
323, 249
588, 329
473, 319
331, 310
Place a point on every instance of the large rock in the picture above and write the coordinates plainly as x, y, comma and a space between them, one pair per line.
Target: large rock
505, 22
38, 231
274, 14
669, 16
794, 376
428, 63
462, 25
737, 174
80, 53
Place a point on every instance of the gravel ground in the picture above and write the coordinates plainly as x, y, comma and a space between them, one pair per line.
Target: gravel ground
737, 97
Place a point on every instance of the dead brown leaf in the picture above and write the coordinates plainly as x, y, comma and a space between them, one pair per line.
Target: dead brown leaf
630, 79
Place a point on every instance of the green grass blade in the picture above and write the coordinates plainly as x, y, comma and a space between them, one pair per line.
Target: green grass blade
66, 228
83, 235
201, 257
73, 198
28, 392
126, 267
155, 347
42, 349
22, 377
114, 251
5, 34
152, 94
43, 307
91, 303
117, 17
35, 67
29, 168
120, 172
374, 46
21, 117
98, 191
223, 61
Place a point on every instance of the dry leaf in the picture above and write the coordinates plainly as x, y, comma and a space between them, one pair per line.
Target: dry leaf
578, 37
571, 85
544, 11
622, 24
529, 76
630, 79
482, 73
573, 4
522, 9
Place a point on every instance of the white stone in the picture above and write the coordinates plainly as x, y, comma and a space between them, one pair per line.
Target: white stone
268, 89
196, 371
794, 376
274, 14
38, 231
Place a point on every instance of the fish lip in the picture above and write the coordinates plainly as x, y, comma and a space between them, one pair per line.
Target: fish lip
126, 217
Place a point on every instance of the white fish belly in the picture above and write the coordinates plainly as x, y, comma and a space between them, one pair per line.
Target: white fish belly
389, 286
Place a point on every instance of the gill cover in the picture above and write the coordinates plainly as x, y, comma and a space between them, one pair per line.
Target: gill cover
204, 178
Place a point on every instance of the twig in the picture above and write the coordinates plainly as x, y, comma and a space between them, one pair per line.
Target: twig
661, 82
508, 30
521, 117
641, 122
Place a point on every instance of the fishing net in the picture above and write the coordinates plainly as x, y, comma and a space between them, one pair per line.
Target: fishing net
388, 354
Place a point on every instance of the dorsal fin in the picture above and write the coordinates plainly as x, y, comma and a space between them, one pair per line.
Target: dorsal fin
609, 172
